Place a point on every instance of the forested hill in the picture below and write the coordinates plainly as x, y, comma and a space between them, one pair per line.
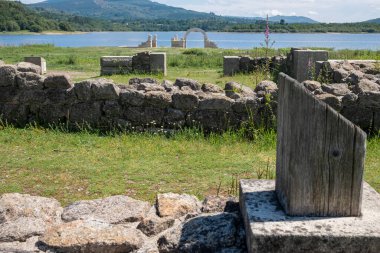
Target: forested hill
377, 21
15, 16
122, 9
146, 10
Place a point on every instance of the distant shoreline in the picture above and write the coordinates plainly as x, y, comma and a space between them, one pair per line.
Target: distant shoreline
80, 32
42, 33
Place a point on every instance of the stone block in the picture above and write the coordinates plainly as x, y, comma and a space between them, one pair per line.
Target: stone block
85, 113
28, 67
7, 75
246, 64
231, 65
178, 43
158, 63
39, 61
141, 62
116, 61
304, 63
318, 67
111, 65
106, 71
269, 229
58, 81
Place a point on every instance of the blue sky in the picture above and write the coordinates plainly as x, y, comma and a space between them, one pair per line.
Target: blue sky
321, 10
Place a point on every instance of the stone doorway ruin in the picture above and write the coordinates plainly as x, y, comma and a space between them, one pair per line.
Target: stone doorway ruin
182, 43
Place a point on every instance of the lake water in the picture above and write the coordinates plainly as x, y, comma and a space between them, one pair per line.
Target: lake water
223, 40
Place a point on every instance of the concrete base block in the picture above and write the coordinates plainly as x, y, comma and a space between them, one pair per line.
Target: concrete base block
231, 65
158, 63
269, 229
39, 61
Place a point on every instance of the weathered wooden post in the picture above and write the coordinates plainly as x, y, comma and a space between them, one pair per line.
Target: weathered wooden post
320, 156
320, 161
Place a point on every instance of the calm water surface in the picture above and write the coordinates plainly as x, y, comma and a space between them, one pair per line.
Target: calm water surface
223, 40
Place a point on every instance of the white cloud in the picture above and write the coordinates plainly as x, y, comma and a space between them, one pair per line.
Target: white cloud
312, 13
30, 1
321, 10
263, 13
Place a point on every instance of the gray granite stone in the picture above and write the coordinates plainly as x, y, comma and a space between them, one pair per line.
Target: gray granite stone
304, 63
39, 61
231, 65
158, 63
270, 230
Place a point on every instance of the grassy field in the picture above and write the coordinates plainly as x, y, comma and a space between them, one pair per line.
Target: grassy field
73, 166
83, 165
205, 65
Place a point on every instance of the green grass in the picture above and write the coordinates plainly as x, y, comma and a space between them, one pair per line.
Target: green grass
205, 65
372, 172
83, 165
73, 166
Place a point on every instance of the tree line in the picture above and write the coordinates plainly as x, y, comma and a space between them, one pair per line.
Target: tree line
15, 16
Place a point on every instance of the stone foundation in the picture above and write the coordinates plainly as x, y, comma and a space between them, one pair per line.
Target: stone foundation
246, 64
27, 97
120, 224
268, 229
144, 62
352, 88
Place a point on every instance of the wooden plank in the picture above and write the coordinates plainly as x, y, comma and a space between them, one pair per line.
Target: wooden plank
357, 176
339, 154
320, 156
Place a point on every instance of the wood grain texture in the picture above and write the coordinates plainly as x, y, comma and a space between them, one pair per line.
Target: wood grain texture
320, 156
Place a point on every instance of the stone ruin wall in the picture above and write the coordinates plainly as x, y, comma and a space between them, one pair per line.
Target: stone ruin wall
245, 64
143, 62
27, 97
351, 87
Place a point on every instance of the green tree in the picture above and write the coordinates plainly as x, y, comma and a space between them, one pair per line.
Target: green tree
65, 26
12, 26
36, 28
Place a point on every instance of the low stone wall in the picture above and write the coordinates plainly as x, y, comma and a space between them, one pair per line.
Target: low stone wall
27, 97
176, 223
144, 62
246, 64
352, 88
299, 63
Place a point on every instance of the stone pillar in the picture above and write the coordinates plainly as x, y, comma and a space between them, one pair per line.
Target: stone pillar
304, 61
179, 43
158, 63
154, 42
231, 65
210, 44
39, 61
